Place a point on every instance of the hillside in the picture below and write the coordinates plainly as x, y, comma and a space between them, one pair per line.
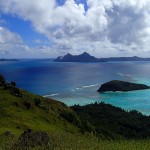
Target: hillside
29, 121
110, 122
21, 111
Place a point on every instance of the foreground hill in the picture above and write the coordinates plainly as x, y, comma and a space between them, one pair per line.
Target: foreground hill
29, 121
23, 111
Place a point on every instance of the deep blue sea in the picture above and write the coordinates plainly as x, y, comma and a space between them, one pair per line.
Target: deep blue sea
77, 83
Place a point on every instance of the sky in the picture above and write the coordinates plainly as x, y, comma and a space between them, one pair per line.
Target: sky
51, 28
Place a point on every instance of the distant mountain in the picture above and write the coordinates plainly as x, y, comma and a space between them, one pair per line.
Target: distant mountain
134, 58
85, 57
3, 59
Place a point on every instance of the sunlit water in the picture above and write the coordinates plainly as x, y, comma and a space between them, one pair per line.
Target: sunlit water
77, 83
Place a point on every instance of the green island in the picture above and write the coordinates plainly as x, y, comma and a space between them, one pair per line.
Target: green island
32, 122
123, 86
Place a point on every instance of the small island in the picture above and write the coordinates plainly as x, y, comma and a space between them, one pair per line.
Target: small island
116, 85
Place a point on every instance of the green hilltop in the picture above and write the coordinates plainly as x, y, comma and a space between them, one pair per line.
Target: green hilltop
29, 121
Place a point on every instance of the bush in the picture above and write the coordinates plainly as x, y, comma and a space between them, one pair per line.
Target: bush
71, 117
13, 83
27, 104
31, 139
15, 91
37, 101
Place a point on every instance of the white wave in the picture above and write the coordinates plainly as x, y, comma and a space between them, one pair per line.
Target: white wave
88, 86
51, 95
46, 96
125, 75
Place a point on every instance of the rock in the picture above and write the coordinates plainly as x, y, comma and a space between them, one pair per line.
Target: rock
117, 85
31, 139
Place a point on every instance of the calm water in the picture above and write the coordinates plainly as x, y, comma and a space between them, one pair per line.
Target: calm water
76, 83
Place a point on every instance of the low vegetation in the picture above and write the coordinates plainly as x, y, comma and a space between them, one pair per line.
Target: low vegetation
110, 122
29, 121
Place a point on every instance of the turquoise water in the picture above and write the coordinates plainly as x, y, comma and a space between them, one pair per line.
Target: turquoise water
138, 100
77, 83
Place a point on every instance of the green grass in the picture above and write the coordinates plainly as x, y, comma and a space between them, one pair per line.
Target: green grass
67, 141
15, 117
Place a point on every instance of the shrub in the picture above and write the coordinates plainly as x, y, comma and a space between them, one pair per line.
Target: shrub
15, 91
37, 101
71, 117
27, 104
15, 104
2, 80
13, 83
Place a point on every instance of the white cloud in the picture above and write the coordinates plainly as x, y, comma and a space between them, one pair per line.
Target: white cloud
11, 44
108, 27
7, 36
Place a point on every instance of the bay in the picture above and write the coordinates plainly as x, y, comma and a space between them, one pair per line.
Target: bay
77, 83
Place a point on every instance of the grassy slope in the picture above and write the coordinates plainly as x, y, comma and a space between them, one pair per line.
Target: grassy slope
15, 117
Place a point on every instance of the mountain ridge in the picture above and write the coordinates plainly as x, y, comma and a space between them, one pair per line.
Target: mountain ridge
86, 57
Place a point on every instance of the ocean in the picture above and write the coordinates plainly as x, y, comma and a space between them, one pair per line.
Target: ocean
77, 83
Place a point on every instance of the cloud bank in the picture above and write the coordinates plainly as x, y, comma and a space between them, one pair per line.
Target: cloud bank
11, 43
105, 28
